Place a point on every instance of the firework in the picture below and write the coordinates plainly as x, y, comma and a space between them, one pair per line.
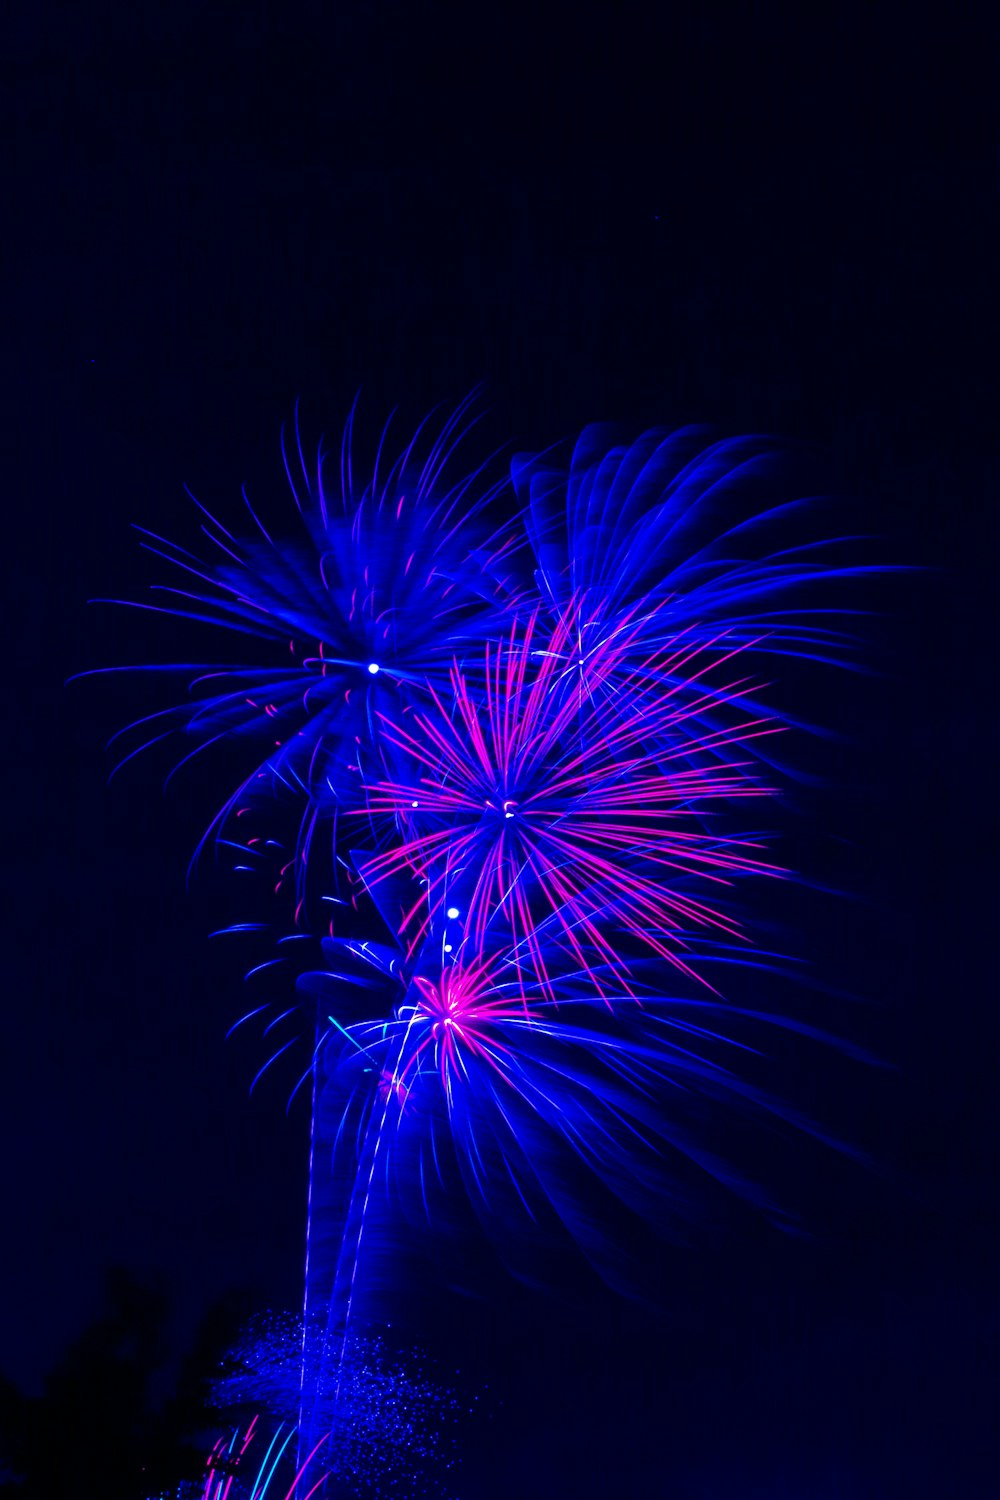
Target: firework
538, 748
539, 1107
394, 575
527, 806
683, 535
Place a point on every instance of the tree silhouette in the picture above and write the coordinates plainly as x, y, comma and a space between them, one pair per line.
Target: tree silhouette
103, 1426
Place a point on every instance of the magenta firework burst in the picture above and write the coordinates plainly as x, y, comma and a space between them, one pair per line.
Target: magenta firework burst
532, 816
457, 1019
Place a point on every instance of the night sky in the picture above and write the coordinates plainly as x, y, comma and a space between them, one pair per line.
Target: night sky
769, 218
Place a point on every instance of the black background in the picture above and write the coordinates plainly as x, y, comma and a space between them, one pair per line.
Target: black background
770, 218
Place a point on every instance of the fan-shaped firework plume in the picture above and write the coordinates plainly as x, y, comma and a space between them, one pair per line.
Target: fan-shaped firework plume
259, 1463
254, 1462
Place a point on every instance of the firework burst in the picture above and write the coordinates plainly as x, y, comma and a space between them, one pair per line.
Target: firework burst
525, 806
683, 535
397, 573
541, 1108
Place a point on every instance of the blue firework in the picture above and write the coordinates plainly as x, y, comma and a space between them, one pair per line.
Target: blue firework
395, 572
677, 542
541, 1107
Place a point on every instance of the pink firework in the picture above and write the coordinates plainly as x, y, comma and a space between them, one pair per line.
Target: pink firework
456, 1018
532, 817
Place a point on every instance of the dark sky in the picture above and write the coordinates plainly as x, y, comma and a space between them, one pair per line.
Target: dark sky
766, 217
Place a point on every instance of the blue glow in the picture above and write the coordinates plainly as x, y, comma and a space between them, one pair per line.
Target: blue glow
390, 1421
